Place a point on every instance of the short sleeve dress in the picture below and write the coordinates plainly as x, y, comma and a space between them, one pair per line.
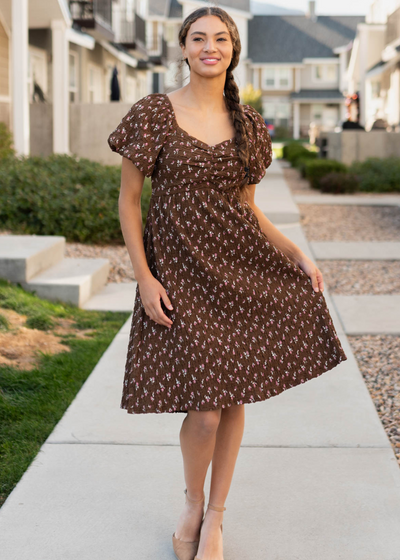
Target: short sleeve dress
247, 323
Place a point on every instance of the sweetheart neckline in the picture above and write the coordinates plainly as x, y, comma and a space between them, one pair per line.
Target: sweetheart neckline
189, 135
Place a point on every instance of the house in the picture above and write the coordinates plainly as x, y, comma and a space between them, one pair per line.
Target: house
374, 70
59, 57
299, 62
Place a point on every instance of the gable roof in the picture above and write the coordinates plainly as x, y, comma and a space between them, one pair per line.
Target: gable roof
293, 38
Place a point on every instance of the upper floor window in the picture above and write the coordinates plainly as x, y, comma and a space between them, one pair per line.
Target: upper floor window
324, 72
276, 77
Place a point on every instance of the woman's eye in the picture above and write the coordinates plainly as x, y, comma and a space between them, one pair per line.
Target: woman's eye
200, 38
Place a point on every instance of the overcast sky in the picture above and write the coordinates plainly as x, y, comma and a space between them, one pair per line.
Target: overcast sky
326, 7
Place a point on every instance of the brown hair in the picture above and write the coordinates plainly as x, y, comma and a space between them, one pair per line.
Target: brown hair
231, 90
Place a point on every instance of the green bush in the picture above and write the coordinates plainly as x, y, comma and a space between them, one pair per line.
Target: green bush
300, 162
63, 195
318, 168
292, 150
338, 183
378, 175
6, 149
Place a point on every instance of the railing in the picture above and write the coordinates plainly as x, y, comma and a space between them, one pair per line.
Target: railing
87, 10
131, 31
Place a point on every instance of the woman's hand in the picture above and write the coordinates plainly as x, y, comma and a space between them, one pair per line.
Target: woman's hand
313, 272
151, 290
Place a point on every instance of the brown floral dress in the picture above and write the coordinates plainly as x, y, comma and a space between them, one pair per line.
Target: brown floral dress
247, 323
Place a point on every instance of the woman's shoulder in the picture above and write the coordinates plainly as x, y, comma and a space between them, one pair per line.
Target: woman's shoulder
152, 104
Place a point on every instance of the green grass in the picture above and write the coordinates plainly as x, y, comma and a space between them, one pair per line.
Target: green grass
33, 401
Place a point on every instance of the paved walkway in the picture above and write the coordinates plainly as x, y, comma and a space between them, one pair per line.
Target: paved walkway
316, 478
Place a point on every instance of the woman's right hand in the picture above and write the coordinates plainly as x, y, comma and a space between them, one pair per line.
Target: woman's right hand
150, 292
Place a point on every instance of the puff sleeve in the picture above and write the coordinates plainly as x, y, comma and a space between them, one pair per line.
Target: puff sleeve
260, 145
142, 132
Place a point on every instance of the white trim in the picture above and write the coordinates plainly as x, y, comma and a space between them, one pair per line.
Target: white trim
274, 64
65, 12
81, 39
119, 55
5, 98
321, 60
319, 101
324, 79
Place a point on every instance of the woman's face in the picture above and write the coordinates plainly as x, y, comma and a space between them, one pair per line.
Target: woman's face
208, 47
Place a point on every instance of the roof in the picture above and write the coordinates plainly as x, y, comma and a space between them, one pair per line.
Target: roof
158, 8
292, 38
317, 94
172, 8
175, 9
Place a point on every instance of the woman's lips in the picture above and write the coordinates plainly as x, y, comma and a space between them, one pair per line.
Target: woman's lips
210, 60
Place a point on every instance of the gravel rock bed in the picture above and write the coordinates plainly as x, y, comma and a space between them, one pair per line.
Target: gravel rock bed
361, 277
378, 357
350, 223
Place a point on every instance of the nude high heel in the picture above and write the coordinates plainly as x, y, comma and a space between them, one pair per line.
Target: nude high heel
186, 550
216, 508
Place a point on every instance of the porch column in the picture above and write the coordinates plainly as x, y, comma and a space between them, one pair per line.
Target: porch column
20, 93
296, 120
60, 47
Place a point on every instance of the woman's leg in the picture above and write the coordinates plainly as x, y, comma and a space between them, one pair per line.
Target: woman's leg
228, 439
197, 439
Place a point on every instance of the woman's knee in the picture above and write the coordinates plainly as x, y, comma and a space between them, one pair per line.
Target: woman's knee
205, 422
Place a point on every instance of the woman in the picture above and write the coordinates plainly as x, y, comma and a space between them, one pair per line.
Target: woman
228, 310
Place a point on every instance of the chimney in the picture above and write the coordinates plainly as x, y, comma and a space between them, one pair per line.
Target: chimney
311, 10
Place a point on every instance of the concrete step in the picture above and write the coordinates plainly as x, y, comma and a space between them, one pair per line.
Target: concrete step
115, 296
70, 280
24, 256
348, 199
356, 250
368, 314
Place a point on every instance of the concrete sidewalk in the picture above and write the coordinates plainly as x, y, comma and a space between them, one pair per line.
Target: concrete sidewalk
316, 478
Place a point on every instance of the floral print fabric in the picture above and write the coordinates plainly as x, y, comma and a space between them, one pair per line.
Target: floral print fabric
247, 323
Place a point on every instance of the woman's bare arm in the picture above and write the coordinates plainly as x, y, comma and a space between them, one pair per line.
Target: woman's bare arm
130, 215
284, 244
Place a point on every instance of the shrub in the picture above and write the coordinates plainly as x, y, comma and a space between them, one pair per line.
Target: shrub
316, 169
292, 148
378, 175
63, 195
337, 183
6, 149
300, 162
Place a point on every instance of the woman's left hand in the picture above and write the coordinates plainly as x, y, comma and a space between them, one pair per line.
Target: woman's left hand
313, 272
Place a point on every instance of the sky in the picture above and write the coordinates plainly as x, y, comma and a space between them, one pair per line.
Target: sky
326, 7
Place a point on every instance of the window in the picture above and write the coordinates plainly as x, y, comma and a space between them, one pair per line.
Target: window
277, 78
95, 84
171, 33
324, 72
277, 111
73, 77
130, 94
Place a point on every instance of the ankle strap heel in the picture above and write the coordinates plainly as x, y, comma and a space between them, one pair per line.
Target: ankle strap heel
216, 508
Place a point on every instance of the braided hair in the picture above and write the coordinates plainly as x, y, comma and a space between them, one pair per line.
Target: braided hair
231, 90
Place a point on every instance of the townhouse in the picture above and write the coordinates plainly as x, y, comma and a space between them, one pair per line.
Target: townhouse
299, 62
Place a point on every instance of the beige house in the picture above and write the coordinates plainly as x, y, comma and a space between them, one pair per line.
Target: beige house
299, 62
381, 84
57, 60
